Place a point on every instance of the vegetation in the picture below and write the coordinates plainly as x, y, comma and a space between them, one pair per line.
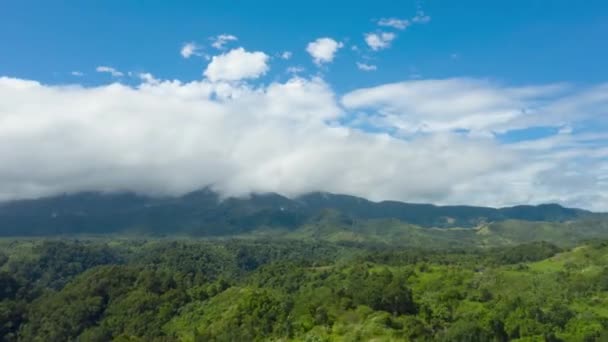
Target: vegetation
203, 213
320, 267
250, 289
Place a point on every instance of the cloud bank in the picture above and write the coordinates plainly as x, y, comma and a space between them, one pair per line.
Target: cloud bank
422, 141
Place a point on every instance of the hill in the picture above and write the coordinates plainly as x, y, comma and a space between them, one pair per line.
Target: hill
204, 213
242, 290
332, 226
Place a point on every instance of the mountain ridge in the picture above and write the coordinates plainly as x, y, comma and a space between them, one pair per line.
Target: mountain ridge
205, 212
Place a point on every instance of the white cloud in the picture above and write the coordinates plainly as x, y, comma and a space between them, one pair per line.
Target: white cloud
221, 40
450, 104
147, 77
564, 169
109, 70
169, 137
286, 55
237, 64
396, 23
77, 73
323, 50
295, 69
366, 67
421, 18
190, 49
379, 41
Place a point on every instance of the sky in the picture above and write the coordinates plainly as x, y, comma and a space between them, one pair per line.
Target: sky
469, 102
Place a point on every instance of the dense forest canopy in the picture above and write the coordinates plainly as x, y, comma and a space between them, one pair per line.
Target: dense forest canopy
239, 290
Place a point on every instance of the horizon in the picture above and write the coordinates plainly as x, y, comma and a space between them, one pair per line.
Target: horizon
249, 196
407, 101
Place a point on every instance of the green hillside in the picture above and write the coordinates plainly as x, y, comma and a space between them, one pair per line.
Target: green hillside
319, 268
205, 213
282, 290
333, 226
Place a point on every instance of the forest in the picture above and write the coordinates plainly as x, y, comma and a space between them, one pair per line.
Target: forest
261, 289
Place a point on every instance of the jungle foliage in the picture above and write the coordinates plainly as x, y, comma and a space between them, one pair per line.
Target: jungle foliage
241, 290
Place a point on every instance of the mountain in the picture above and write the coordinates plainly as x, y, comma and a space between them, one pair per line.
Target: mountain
428, 215
336, 227
205, 213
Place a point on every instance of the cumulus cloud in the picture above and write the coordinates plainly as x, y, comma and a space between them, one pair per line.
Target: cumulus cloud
190, 49
379, 41
366, 67
382, 40
221, 40
323, 50
169, 137
109, 70
147, 77
286, 55
174, 137
399, 24
566, 168
236, 65
77, 73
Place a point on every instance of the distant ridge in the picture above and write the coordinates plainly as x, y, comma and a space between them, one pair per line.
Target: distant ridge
203, 213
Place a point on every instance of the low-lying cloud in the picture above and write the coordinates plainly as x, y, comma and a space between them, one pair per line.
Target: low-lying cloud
421, 141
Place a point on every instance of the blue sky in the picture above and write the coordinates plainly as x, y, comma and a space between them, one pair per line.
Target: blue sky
519, 42
508, 98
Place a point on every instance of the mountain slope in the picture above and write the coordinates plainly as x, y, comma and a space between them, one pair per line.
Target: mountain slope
205, 213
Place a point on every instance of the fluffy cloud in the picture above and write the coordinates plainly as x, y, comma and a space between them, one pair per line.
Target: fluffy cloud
565, 167
190, 49
382, 40
236, 65
323, 50
77, 73
379, 41
286, 55
451, 104
221, 40
147, 77
366, 67
172, 137
399, 24
168, 137
109, 70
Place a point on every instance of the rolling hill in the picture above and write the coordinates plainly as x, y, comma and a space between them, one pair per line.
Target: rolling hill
324, 216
